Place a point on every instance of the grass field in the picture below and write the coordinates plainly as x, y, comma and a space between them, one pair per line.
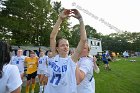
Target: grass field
124, 77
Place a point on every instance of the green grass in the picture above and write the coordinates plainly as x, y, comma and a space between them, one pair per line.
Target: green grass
36, 89
124, 77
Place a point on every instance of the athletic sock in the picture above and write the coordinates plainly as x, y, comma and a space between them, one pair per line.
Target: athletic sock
33, 87
41, 89
32, 91
27, 89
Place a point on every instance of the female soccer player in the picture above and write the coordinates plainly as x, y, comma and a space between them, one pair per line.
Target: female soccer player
10, 80
18, 60
62, 70
87, 65
42, 68
32, 63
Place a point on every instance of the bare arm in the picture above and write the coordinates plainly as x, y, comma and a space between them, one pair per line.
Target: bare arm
80, 75
55, 31
96, 68
53, 36
83, 37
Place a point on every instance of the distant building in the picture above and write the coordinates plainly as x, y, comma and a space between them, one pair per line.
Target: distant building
96, 46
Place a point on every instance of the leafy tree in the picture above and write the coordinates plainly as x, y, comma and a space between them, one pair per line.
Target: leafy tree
91, 33
30, 22
120, 42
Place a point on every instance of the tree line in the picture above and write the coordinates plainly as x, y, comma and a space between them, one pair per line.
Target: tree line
30, 22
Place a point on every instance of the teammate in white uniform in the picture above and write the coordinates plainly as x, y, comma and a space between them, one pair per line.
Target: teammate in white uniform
86, 65
10, 80
42, 68
62, 71
19, 62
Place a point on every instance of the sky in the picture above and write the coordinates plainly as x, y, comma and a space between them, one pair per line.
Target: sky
107, 16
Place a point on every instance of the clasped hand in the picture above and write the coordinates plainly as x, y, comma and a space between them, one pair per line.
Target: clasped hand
70, 12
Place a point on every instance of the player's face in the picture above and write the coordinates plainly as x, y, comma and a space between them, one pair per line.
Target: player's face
32, 55
19, 52
85, 51
41, 54
71, 52
49, 54
63, 47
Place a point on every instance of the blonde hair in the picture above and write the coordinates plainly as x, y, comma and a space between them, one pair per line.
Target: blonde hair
89, 47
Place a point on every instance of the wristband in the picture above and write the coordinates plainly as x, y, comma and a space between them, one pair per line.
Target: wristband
80, 20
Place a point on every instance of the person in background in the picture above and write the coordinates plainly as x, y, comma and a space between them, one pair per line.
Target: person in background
42, 68
49, 54
108, 56
113, 54
118, 55
31, 63
105, 60
125, 54
87, 65
99, 60
71, 51
18, 60
10, 80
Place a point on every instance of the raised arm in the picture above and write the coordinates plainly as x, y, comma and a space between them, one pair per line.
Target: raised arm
83, 36
55, 30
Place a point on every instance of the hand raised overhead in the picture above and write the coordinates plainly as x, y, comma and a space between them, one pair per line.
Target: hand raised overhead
65, 14
75, 13
70, 12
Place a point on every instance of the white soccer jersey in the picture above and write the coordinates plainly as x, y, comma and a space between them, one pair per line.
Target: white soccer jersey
10, 79
19, 62
88, 84
42, 63
61, 75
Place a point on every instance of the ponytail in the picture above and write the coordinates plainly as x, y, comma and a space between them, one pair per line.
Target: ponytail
4, 55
